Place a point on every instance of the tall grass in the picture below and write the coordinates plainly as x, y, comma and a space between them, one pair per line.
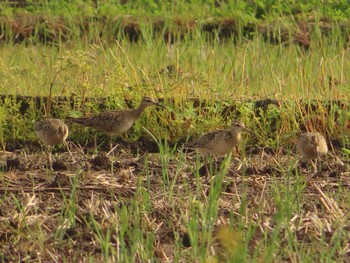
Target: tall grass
213, 71
217, 70
197, 8
164, 209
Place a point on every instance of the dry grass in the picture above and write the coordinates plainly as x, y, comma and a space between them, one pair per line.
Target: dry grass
137, 211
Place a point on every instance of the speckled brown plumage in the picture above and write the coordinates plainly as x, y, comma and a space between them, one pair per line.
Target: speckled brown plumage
51, 132
219, 142
117, 121
311, 146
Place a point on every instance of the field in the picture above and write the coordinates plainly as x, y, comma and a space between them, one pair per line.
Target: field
280, 67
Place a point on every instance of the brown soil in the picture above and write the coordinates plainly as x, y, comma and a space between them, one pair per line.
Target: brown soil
25, 176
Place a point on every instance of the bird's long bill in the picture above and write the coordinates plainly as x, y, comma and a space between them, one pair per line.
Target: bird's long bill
249, 131
160, 105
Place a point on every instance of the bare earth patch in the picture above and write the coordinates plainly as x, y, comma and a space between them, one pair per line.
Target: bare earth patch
64, 214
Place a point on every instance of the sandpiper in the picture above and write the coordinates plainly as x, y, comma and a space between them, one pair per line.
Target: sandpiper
311, 146
117, 121
51, 132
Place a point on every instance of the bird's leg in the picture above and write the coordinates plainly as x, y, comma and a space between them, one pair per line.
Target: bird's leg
110, 142
110, 145
95, 143
314, 164
49, 157
235, 152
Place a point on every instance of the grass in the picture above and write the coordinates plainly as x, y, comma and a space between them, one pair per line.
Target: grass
154, 205
337, 10
113, 72
253, 68
146, 213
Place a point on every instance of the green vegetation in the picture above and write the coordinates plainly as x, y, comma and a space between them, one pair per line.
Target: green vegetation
183, 8
280, 67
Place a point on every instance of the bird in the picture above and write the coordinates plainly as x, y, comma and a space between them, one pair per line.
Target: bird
51, 131
219, 142
312, 146
116, 121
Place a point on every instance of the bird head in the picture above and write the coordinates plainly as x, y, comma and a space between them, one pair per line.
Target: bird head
147, 101
240, 127
314, 141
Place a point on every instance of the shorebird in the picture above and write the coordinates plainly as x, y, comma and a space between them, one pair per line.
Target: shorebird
311, 146
219, 142
117, 121
51, 132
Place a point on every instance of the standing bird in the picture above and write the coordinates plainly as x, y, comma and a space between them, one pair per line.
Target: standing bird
117, 121
51, 132
219, 142
311, 146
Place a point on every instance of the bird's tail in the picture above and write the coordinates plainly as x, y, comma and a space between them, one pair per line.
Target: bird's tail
188, 146
81, 120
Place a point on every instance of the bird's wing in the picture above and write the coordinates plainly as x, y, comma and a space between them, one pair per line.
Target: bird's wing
103, 118
210, 138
